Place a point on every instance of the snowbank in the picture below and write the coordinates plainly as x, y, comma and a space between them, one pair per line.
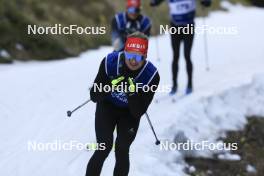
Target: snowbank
207, 119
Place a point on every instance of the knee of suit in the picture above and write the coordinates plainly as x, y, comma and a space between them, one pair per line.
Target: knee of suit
108, 147
122, 149
176, 57
175, 62
188, 59
105, 152
102, 154
187, 56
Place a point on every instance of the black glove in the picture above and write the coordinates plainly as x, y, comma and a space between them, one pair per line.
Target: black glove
154, 3
206, 3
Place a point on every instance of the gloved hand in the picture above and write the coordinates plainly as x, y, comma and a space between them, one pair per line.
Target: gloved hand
131, 84
115, 82
206, 3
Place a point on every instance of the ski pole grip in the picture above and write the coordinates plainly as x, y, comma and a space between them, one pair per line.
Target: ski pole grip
132, 87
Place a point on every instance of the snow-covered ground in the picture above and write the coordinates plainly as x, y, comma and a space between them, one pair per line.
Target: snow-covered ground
34, 98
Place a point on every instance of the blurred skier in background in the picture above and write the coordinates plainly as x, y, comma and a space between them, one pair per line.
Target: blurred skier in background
125, 23
121, 108
182, 14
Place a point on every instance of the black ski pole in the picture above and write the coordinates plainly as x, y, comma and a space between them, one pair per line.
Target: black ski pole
205, 42
69, 113
155, 37
151, 126
157, 48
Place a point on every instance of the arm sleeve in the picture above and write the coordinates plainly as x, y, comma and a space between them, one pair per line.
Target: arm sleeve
139, 102
101, 80
117, 36
115, 32
147, 32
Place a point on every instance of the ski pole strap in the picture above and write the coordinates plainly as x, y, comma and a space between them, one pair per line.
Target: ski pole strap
117, 80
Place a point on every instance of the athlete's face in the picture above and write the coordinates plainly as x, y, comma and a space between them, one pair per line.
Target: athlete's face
132, 16
134, 60
133, 13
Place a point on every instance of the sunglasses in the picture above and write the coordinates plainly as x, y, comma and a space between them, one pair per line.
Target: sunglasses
137, 57
133, 10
